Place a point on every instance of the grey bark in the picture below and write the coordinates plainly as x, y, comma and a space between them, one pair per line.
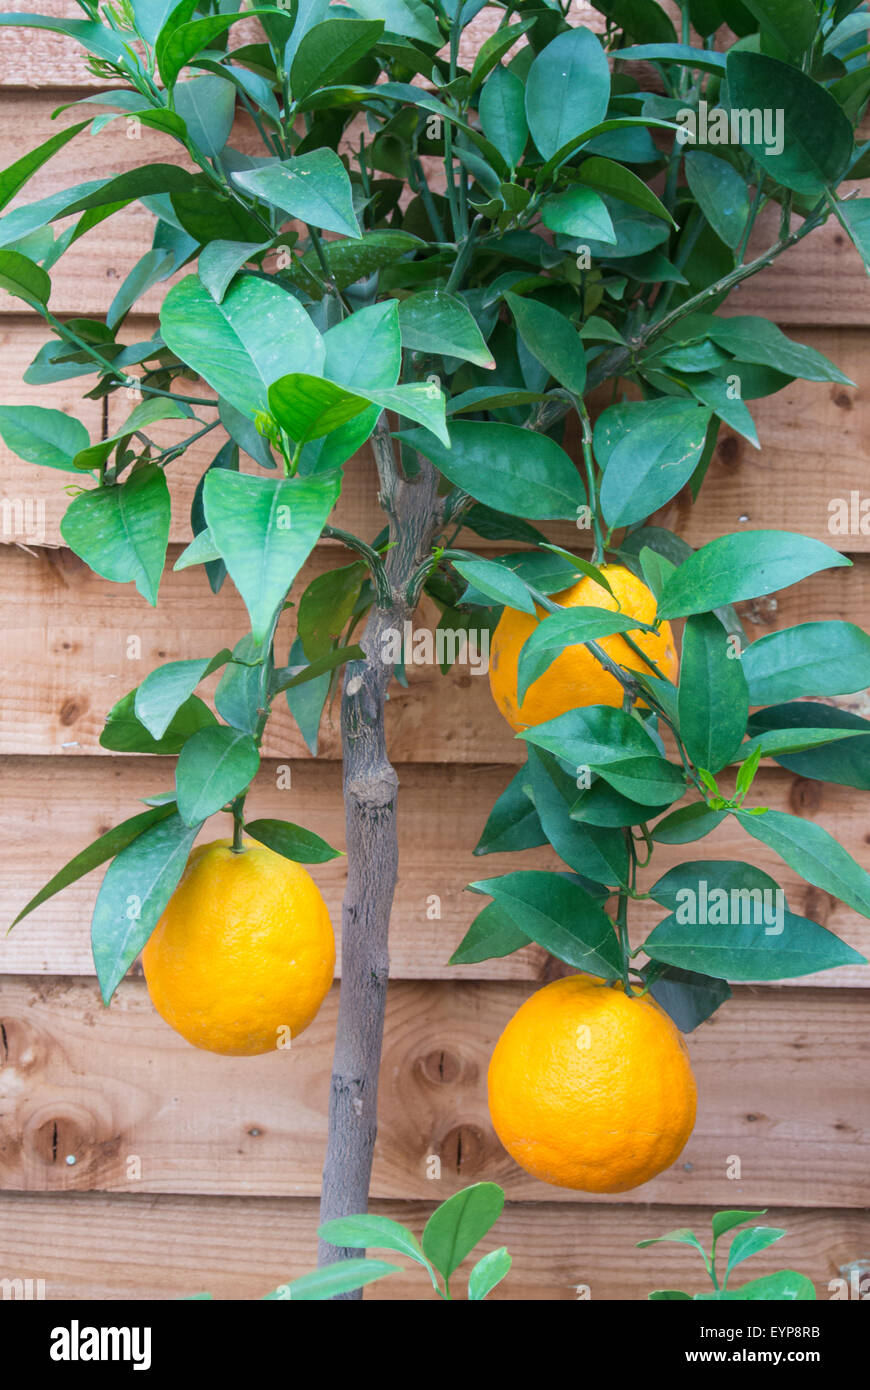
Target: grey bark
370, 795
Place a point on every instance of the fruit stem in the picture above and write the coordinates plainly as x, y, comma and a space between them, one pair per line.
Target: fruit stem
238, 810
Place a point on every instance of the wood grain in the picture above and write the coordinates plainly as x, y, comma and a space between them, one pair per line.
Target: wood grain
73, 644
775, 1069
815, 448
53, 807
123, 1247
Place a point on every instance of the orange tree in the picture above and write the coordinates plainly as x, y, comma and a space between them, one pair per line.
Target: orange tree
443, 261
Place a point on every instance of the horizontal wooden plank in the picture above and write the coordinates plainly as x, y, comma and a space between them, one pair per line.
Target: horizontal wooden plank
781, 487
85, 1088
819, 281
73, 643
123, 1247
442, 811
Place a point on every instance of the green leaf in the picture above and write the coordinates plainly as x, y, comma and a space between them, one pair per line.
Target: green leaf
567, 90
436, 322
165, 690
122, 531
308, 407
38, 435
124, 733
326, 606
557, 912
594, 852
773, 945
503, 114
825, 658
705, 60
343, 1277
686, 825
653, 459
242, 689
298, 672
792, 23
550, 338
213, 767
601, 805
748, 1243
493, 48
512, 823
137, 886
259, 333
144, 415
724, 1221
23, 279
411, 18
376, 1233
616, 746
818, 136
201, 551
492, 934
688, 997
103, 848
365, 350
496, 582
207, 105
98, 39
489, 1271
265, 529
855, 216
713, 697
16, 175
606, 176
813, 853
353, 260
846, 762
670, 1296
721, 194
506, 467
456, 1226
785, 1285
313, 187
643, 19
154, 266
220, 261
177, 44
560, 630
293, 841
757, 340
579, 212
748, 564
328, 49
682, 1236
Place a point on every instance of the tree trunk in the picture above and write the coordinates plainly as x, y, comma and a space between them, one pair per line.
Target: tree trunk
370, 795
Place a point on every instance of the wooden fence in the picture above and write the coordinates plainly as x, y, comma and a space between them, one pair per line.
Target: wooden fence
134, 1166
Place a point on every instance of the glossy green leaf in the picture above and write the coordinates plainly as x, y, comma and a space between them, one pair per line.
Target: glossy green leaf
687, 996
748, 564
39, 435
686, 825
456, 1226
846, 762
489, 1271
567, 90
721, 194
207, 105
352, 260
557, 912
653, 460
137, 886
16, 175
758, 340
213, 767
122, 531
265, 529
23, 279
497, 582
177, 44
786, 1285
814, 853
124, 733
579, 212
98, 38
326, 1283
503, 114
606, 176
308, 407
596, 853
713, 697
411, 18
551, 339
817, 145
165, 690
103, 848
313, 187
492, 934
512, 823
748, 1243
436, 322
328, 49
292, 841
615, 745
770, 946
725, 1221
257, 334
506, 467
825, 658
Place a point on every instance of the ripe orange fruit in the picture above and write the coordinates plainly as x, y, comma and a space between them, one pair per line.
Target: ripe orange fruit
591, 1089
244, 954
575, 677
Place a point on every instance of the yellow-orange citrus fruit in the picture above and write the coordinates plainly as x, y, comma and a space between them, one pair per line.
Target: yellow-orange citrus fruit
591, 1089
576, 677
244, 954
